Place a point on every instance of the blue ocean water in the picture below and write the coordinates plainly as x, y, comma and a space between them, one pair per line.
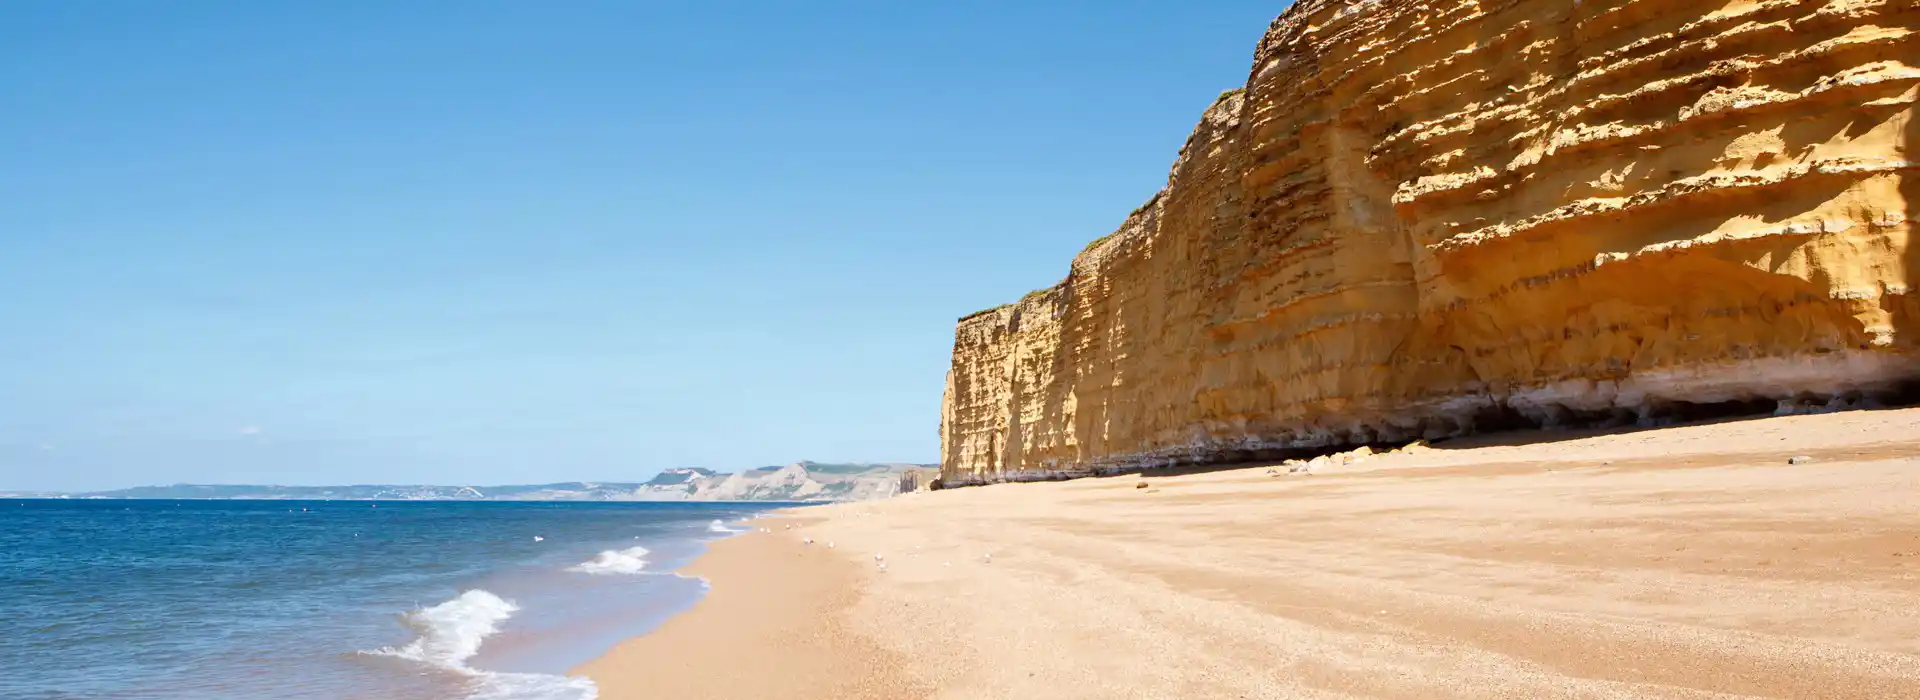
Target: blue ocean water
194, 600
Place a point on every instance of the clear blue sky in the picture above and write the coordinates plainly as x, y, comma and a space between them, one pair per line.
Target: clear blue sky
506, 242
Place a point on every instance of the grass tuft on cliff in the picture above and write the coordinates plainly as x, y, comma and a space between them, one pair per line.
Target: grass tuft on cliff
983, 312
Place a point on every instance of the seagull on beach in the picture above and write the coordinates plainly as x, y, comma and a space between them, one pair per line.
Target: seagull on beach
806, 540
829, 545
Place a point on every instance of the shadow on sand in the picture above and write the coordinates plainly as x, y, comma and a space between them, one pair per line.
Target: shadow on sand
1512, 435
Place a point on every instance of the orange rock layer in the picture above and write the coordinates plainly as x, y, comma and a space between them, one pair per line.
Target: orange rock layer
1420, 215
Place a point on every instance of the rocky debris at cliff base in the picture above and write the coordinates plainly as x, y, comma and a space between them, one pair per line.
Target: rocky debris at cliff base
1325, 462
1805, 405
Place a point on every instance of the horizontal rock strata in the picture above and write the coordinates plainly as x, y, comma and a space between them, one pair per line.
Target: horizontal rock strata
1419, 216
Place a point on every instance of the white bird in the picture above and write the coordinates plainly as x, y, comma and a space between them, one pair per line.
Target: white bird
806, 540
829, 545
989, 558
538, 538
877, 557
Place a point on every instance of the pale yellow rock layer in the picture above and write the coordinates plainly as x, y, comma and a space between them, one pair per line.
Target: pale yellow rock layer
1418, 213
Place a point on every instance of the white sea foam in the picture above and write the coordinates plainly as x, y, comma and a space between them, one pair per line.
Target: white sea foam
449, 634
702, 580
531, 686
631, 560
720, 528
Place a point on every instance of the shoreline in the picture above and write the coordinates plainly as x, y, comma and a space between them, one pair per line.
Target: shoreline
1685, 562
755, 635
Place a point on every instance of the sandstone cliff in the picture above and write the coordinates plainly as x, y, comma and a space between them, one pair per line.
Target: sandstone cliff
1419, 216
800, 481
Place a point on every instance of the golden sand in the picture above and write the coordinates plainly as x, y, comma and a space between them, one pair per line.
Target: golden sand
1690, 562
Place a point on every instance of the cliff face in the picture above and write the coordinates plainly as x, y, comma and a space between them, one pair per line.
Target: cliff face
800, 481
1420, 215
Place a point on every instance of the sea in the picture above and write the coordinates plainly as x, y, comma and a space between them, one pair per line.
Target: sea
336, 600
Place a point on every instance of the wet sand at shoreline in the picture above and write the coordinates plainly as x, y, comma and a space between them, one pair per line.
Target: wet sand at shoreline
771, 627
1689, 562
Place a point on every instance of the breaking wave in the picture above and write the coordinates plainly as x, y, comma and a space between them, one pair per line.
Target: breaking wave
448, 634
631, 560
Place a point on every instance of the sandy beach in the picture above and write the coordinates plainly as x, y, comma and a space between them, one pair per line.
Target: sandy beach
1688, 562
